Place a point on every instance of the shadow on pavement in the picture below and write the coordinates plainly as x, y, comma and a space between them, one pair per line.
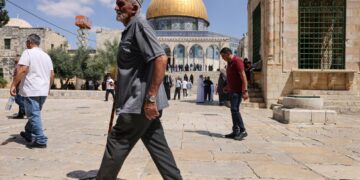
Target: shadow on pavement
12, 117
84, 175
206, 103
207, 133
14, 138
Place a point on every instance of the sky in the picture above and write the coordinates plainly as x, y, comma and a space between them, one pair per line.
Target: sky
228, 17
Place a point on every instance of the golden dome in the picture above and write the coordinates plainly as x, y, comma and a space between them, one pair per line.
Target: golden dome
189, 8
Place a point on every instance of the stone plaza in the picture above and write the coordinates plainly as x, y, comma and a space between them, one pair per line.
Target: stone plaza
77, 130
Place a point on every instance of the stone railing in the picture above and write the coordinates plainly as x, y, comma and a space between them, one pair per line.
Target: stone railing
66, 94
317, 79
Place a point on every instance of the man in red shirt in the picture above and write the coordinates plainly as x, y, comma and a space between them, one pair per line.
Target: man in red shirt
237, 89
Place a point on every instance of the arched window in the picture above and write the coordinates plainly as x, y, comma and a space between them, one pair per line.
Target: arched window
196, 54
213, 52
179, 54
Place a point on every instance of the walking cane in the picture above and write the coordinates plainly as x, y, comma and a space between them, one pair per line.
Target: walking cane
112, 116
113, 110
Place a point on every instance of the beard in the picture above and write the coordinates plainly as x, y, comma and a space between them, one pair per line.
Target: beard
121, 16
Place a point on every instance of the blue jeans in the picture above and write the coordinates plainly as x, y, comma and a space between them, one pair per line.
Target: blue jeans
20, 101
238, 124
33, 128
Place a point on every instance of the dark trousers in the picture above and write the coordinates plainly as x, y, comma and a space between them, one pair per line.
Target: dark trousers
177, 92
111, 91
167, 90
128, 130
207, 91
184, 92
238, 124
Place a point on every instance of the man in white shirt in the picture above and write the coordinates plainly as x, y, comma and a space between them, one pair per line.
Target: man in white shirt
184, 87
35, 75
109, 88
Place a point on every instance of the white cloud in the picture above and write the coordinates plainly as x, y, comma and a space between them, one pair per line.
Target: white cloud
108, 3
66, 8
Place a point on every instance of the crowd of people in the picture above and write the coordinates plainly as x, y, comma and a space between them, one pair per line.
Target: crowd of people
189, 67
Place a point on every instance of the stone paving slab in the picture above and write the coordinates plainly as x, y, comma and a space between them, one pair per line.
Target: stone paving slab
77, 128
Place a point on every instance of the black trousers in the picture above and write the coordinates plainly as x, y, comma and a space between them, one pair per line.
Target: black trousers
177, 92
167, 91
207, 91
128, 130
111, 91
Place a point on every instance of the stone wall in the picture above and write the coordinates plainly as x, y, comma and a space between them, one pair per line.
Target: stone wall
103, 35
66, 94
279, 46
18, 38
54, 40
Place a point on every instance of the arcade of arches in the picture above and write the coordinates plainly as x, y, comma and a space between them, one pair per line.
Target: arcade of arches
193, 58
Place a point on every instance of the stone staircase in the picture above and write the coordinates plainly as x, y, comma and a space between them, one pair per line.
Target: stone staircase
344, 102
256, 99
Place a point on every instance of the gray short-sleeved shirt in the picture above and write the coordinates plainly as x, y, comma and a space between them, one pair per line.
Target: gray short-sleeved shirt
137, 51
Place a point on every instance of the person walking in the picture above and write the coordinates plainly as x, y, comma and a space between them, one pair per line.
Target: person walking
140, 96
177, 88
212, 88
220, 87
207, 89
110, 86
168, 84
36, 74
189, 87
18, 98
237, 87
184, 88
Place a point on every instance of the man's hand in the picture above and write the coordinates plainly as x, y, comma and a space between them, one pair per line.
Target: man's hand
13, 90
151, 111
245, 95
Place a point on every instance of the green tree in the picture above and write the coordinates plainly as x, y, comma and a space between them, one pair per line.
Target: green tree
81, 58
64, 67
4, 18
94, 70
108, 56
88, 67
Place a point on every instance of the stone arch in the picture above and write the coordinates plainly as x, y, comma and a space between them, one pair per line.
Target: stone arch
196, 56
213, 52
212, 57
179, 55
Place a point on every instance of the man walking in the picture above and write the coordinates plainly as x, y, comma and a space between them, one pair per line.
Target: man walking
141, 96
177, 88
168, 84
36, 74
237, 87
109, 87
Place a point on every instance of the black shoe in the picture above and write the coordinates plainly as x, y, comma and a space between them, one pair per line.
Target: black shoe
241, 135
36, 145
18, 116
22, 134
230, 136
